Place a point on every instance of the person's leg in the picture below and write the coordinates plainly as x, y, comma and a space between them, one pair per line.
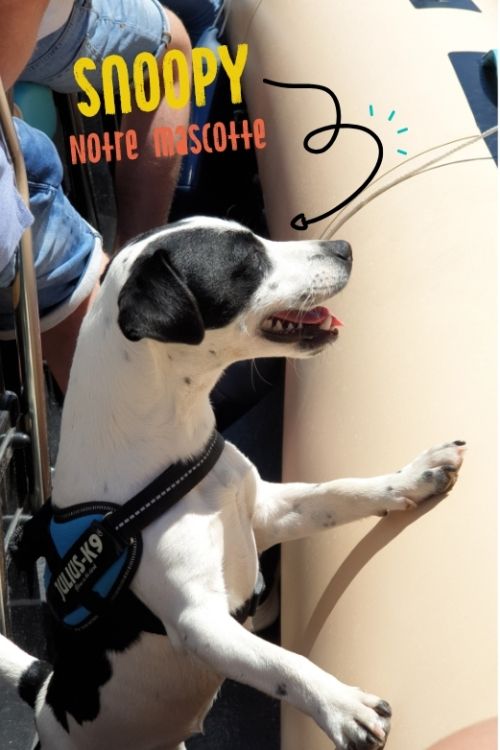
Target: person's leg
67, 253
196, 15
145, 186
97, 29
59, 342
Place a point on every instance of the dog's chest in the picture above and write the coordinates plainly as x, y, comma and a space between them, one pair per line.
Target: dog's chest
233, 520
240, 560
206, 542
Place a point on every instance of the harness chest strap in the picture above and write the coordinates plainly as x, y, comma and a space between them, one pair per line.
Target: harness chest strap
163, 492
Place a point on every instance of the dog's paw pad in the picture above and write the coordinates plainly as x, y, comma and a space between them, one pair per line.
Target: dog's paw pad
366, 742
367, 722
432, 474
362, 739
438, 481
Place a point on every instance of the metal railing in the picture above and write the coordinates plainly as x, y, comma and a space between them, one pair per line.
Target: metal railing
25, 303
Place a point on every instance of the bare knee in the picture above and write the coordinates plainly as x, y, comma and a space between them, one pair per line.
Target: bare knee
179, 38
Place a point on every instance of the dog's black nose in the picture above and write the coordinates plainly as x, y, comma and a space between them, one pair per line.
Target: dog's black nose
340, 249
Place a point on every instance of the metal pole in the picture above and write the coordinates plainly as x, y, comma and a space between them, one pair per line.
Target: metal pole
28, 329
4, 612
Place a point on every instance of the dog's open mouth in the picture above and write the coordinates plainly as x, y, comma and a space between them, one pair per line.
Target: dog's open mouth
310, 328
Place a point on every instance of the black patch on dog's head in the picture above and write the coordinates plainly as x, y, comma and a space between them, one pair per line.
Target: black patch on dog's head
155, 303
190, 280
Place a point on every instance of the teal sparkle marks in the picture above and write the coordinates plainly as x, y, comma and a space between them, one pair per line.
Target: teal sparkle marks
390, 117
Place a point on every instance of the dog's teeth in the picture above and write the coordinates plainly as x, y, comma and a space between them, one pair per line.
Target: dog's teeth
325, 326
276, 324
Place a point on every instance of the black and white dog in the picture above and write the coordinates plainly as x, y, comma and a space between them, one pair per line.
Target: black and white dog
176, 307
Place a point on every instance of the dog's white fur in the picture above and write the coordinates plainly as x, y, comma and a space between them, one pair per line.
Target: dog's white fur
200, 560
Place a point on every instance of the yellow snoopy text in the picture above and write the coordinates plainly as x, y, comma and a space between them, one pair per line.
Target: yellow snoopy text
148, 83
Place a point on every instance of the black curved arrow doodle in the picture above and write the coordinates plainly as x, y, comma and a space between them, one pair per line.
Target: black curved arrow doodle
300, 221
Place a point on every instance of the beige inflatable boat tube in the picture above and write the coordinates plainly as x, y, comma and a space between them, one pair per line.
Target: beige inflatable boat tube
403, 606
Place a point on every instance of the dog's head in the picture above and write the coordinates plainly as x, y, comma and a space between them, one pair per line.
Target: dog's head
203, 278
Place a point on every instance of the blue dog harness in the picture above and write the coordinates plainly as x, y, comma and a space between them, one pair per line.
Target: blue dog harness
92, 550
87, 566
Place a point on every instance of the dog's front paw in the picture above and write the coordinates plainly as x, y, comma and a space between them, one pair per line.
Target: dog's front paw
432, 474
358, 721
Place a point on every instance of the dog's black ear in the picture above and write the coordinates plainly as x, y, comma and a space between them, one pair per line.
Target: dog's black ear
155, 303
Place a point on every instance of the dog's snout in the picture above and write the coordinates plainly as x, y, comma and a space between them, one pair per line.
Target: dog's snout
337, 250
341, 249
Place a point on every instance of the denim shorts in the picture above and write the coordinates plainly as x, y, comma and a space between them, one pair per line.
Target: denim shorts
67, 251
97, 28
14, 215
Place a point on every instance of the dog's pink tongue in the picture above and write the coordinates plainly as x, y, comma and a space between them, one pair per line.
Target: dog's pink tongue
316, 316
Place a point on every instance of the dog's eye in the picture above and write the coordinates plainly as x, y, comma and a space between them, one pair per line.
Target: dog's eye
254, 262
259, 259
